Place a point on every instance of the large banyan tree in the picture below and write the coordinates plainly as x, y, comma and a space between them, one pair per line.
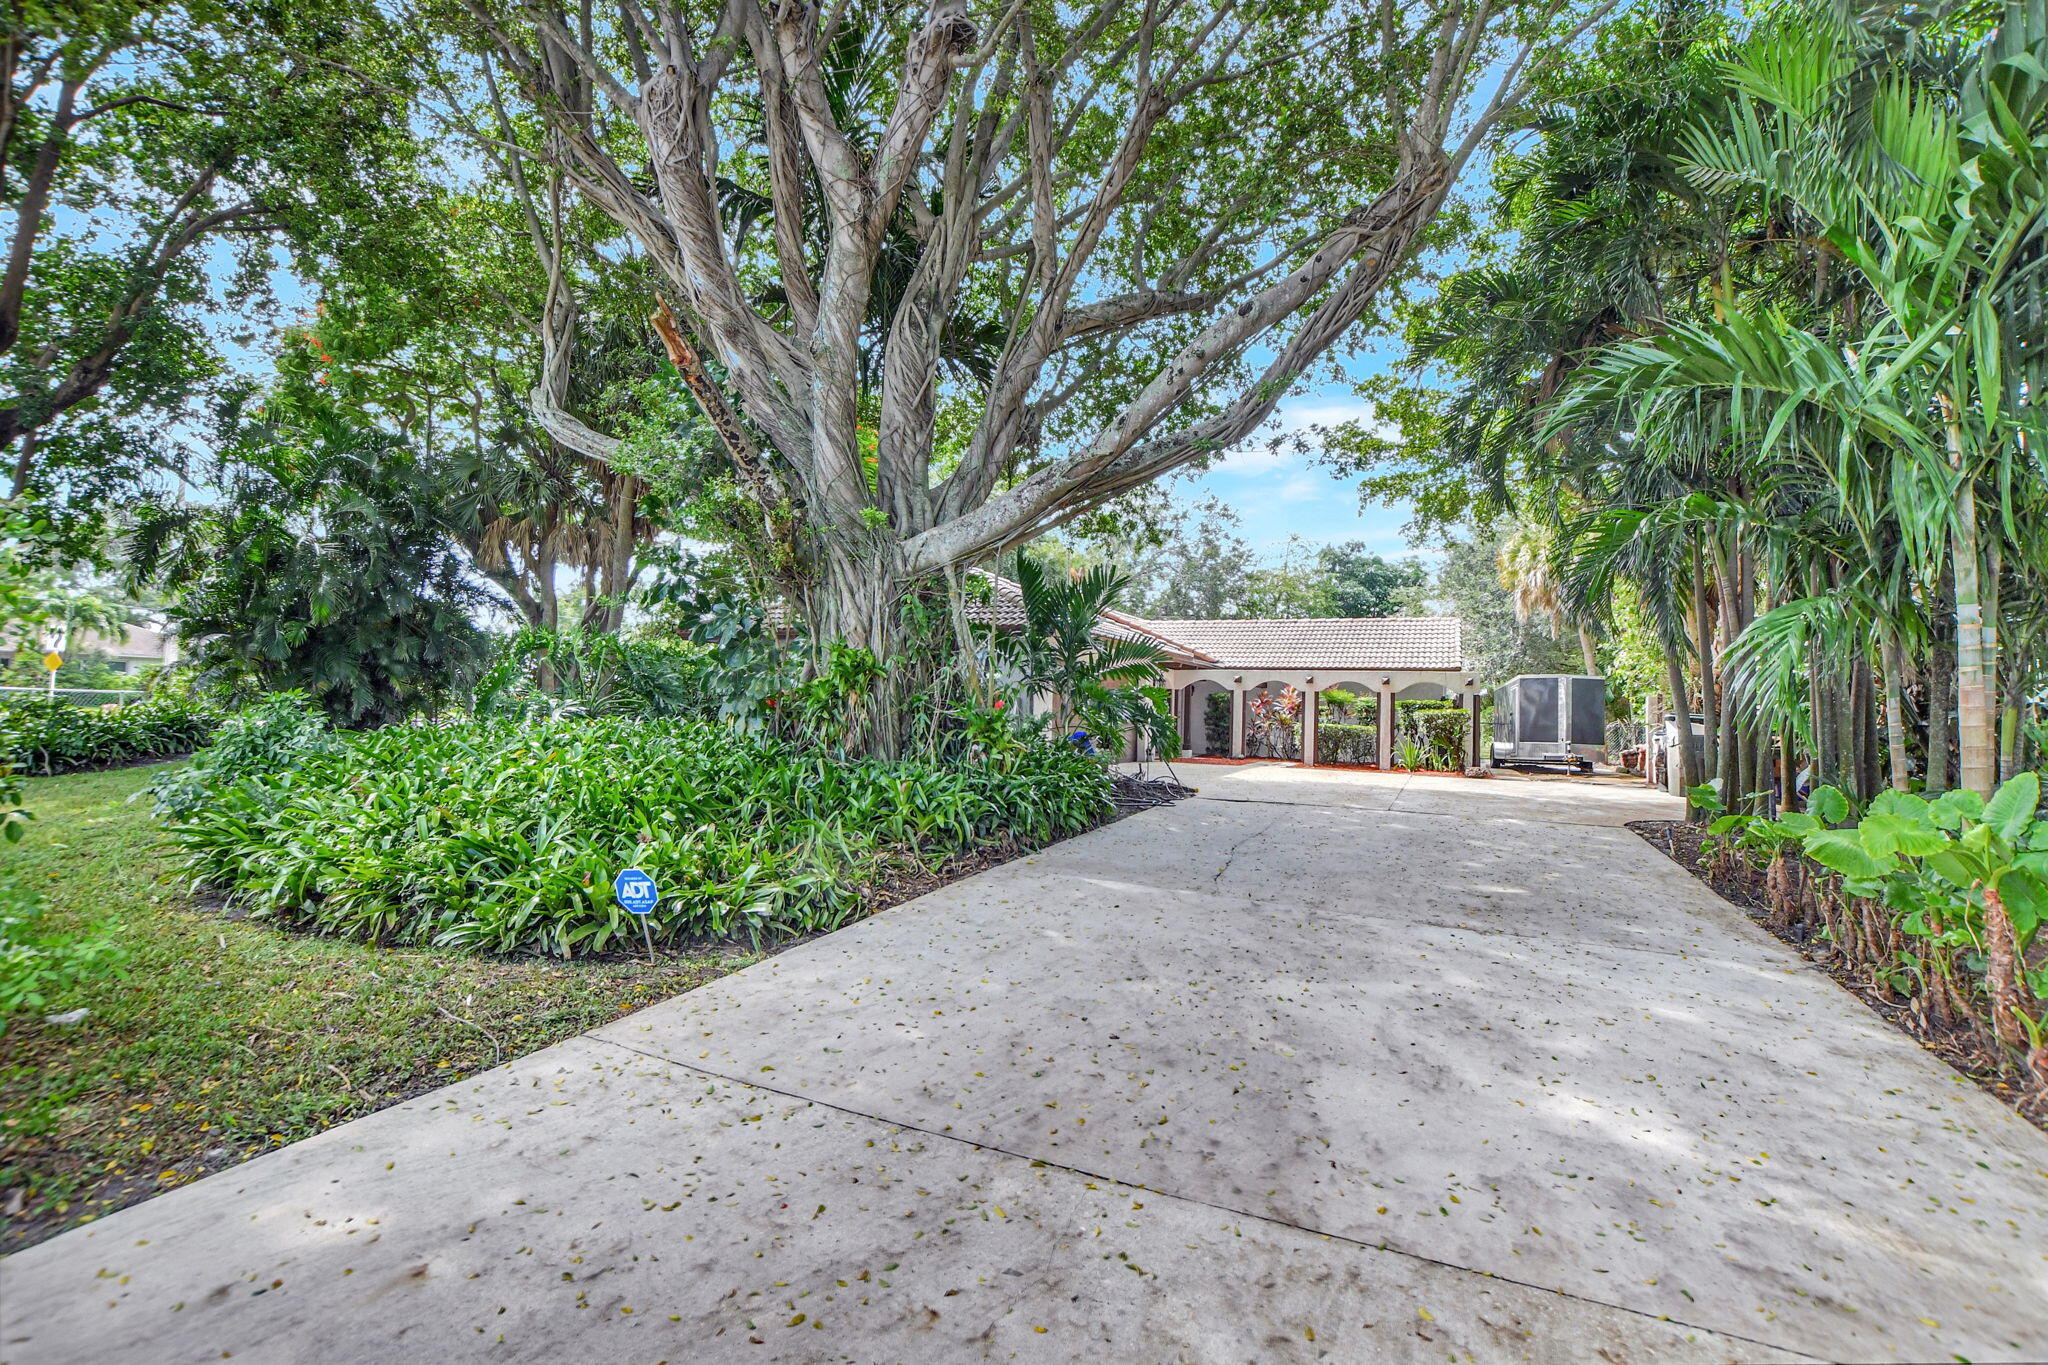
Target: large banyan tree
944, 277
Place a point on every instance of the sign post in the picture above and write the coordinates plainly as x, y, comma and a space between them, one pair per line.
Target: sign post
53, 661
636, 892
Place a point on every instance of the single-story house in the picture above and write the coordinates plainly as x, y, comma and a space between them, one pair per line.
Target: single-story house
1242, 672
1249, 670
140, 647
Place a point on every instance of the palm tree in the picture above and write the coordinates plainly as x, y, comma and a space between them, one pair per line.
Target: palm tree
1935, 199
1096, 680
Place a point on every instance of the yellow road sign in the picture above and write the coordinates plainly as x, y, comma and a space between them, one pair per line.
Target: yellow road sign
53, 661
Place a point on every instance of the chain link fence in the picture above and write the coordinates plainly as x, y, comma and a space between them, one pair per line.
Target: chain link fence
76, 696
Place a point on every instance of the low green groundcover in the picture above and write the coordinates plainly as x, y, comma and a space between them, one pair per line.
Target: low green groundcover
505, 835
44, 735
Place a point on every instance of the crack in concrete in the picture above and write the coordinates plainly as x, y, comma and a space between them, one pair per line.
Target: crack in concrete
1231, 856
1267, 1219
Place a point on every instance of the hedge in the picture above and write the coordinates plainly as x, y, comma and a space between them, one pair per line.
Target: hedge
48, 735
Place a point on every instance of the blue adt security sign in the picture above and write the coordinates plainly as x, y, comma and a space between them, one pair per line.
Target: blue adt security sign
635, 890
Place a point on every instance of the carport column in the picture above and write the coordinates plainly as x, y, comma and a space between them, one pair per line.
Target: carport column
1237, 705
1386, 759
1308, 725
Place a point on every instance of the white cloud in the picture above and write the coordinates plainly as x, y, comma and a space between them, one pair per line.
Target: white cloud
1261, 455
1317, 410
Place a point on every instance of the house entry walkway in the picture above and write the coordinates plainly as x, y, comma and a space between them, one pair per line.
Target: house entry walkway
1317, 1065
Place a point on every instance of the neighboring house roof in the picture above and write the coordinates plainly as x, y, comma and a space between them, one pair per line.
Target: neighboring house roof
1347, 643
140, 641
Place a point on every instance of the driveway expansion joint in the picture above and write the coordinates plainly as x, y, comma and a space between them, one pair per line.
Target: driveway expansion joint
1268, 1220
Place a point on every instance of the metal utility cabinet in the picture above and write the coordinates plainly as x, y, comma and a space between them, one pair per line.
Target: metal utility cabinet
1550, 718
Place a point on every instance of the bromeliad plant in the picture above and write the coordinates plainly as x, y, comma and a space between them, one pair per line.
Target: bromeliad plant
1942, 899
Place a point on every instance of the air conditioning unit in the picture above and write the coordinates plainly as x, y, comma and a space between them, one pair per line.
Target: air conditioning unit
1544, 719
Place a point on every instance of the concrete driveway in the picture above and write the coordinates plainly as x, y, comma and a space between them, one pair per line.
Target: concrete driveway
1317, 1066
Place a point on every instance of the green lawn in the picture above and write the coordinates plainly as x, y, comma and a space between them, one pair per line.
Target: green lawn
229, 1037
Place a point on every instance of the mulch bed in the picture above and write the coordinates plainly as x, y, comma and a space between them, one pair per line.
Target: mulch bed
1963, 1051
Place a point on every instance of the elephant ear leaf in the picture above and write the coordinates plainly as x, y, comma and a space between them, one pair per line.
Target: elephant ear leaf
1899, 803
1829, 805
1883, 835
1955, 869
2011, 808
1951, 808
2026, 901
1841, 851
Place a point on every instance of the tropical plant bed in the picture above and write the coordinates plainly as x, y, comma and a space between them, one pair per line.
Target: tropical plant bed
48, 735
1745, 887
504, 835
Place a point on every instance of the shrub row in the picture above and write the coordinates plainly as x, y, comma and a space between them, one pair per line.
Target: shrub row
504, 835
1344, 743
49, 735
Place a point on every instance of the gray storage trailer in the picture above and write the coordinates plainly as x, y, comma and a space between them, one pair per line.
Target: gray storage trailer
1550, 718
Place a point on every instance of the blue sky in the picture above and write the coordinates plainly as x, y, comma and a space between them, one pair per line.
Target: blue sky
1282, 492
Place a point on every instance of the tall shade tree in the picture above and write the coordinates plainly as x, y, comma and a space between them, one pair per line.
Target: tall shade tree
151, 160
1165, 213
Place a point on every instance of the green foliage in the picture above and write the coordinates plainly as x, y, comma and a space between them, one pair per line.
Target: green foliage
1337, 742
1197, 566
162, 161
272, 735
500, 835
1498, 643
1964, 879
327, 566
828, 708
37, 962
1099, 684
1358, 582
587, 672
88, 1125
746, 668
1433, 733
51, 735
1216, 722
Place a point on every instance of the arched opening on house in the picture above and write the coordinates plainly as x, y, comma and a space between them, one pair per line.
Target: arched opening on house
1273, 716
1432, 728
1205, 719
1348, 722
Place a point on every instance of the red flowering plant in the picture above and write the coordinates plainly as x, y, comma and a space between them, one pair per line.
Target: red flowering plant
1275, 716
993, 730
